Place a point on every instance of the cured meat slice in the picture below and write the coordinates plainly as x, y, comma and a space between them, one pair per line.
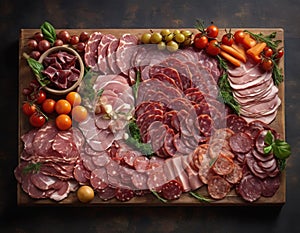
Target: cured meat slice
101, 159
218, 187
91, 50
235, 123
99, 178
223, 165
165, 79
172, 190
270, 185
111, 55
169, 72
240, 142
236, 175
123, 194
180, 145
141, 163
102, 53
81, 174
28, 139
260, 141
107, 193
168, 143
205, 124
42, 181
156, 179
157, 132
139, 180
250, 188
204, 161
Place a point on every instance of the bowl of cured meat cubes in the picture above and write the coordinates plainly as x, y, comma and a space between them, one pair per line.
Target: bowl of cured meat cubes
63, 69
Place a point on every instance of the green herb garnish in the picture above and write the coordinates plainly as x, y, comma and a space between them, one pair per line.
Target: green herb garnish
200, 197
135, 139
48, 32
135, 87
268, 39
281, 149
32, 168
159, 197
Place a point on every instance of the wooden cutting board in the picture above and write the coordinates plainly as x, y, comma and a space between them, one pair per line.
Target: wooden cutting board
25, 75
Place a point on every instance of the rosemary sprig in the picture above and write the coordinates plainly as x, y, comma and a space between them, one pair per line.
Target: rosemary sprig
159, 197
199, 197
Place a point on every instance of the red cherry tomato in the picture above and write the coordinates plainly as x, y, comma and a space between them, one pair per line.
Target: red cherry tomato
267, 64
200, 41
28, 108
37, 120
268, 52
227, 39
212, 31
213, 48
280, 53
239, 36
40, 97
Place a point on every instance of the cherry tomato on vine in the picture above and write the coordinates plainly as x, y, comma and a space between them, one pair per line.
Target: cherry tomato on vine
267, 64
279, 53
227, 39
28, 108
37, 120
200, 41
239, 36
40, 97
212, 31
213, 48
268, 52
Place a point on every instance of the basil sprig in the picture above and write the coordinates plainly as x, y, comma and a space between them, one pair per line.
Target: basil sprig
37, 69
281, 149
49, 32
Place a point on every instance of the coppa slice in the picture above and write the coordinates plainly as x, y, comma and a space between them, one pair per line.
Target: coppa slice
91, 51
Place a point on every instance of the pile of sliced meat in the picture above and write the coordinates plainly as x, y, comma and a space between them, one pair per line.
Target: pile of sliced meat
47, 162
255, 92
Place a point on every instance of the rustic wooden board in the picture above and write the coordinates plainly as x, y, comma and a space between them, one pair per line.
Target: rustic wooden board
25, 75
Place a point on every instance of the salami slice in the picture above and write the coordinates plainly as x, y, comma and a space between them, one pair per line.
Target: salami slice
235, 122
223, 165
270, 186
172, 190
141, 163
139, 180
240, 142
99, 178
124, 194
250, 188
156, 179
218, 187
235, 176
107, 193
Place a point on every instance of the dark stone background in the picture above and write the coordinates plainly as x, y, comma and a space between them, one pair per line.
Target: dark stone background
15, 15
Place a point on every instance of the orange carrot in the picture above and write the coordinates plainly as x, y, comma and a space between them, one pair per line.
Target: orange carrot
240, 48
256, 50
248, 41
233, 52
230, 58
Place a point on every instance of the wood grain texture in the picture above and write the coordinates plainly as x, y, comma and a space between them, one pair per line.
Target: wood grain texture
25, 75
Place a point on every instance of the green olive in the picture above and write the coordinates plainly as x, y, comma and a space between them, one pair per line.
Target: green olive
165, 32
172, 46
187, 33
146, 38
187, 42
176, 31
161, 45
156, 37
169, 37
180, 38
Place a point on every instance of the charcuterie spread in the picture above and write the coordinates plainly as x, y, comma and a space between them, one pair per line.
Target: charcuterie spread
161, 116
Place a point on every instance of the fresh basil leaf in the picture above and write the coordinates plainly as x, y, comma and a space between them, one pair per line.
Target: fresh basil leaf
48, 32
282, 150
269, 138
267, 149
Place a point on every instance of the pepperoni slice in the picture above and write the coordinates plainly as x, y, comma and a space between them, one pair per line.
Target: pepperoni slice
124, 194
218, 187
172, 190
240, 142
223, 165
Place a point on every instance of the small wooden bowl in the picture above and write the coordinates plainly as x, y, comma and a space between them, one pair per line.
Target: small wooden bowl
81, 68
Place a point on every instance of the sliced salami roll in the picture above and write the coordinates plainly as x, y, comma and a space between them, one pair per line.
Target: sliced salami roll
218, 187
172, 190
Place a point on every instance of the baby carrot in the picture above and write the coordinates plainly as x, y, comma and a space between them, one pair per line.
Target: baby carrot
230, 58
235, 53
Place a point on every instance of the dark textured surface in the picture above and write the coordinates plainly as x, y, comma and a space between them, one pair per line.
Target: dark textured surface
149, 14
